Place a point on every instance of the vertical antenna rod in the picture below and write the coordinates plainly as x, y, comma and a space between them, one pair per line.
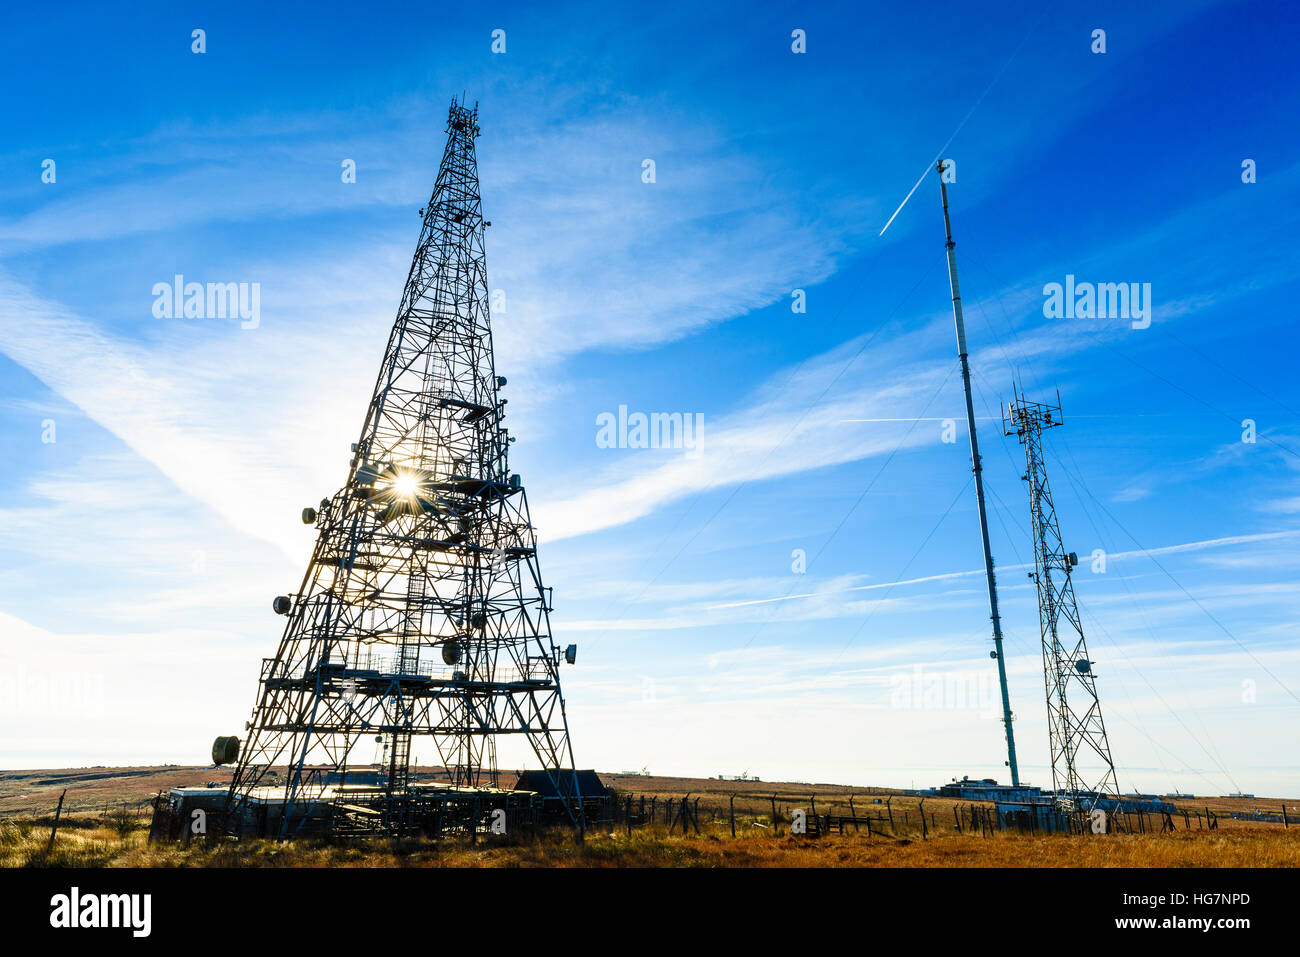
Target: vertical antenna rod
979, 483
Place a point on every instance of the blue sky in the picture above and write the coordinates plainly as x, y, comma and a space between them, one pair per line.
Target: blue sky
146, 541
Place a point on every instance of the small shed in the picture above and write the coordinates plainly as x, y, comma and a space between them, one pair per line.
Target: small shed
589, 783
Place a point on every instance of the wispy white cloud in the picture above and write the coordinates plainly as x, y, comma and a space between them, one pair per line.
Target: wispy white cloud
832, 597
251, 422
173, 406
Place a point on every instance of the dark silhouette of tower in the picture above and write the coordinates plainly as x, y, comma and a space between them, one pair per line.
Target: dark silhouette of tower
1075, 726
422, 613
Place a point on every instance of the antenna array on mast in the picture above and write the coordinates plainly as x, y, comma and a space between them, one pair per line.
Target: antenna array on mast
422, 614
1075, 727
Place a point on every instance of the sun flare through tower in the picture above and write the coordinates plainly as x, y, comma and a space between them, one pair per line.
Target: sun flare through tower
422, 616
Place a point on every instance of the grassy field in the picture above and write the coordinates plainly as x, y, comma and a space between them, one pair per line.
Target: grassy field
91, 842
105, 824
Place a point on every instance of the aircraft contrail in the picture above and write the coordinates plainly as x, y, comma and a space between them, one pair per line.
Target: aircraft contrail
939, 155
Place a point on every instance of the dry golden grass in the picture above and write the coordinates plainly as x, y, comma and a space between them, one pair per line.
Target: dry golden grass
36, 792
89, 843
96, 831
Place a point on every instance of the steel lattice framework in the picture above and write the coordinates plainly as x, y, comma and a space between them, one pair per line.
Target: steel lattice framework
1075, 727
423, 610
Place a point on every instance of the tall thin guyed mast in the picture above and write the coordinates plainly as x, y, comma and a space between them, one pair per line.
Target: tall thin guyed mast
979, 484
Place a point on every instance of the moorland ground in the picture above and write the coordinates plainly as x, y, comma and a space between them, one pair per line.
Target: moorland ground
105, 821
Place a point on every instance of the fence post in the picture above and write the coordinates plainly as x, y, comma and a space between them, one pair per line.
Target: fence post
956, 817
154, 822
925, 836
733, 813
54, 829
891, 814
775, 830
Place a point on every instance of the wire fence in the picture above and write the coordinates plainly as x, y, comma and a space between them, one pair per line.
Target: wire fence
776, 813
872, 814
81, 808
